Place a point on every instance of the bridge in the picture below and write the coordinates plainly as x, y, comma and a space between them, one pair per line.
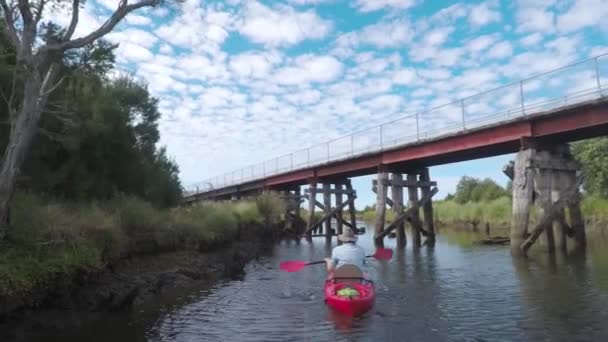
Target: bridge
535, 118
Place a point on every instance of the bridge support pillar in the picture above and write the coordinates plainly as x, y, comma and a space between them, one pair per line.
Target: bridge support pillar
340, 188
293, 221
549, 177
418, 179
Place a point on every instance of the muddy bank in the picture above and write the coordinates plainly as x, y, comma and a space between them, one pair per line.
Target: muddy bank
132, 283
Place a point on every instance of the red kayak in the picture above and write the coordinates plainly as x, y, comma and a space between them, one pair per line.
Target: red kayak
351, 306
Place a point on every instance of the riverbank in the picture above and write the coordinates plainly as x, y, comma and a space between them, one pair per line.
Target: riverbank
112, 255
496, 214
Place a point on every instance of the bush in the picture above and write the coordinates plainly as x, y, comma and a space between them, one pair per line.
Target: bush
48, 237
271, 206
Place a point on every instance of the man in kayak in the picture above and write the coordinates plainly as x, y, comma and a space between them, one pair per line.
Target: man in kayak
347, 253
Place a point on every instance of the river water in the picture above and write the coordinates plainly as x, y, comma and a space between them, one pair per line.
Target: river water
457, 291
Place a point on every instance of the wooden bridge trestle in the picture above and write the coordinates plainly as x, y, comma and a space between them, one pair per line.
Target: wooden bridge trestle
322, 227
414, 180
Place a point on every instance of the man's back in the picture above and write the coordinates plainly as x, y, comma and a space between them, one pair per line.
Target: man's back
348, 253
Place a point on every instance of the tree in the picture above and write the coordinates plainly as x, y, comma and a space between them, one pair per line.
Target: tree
593, 155
38, 60
471, 189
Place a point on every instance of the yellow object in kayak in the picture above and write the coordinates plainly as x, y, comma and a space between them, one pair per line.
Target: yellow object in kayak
348, 292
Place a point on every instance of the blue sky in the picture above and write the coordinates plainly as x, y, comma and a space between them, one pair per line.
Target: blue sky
240, 82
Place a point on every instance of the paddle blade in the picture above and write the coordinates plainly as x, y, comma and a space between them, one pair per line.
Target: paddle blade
292, 265
383, 254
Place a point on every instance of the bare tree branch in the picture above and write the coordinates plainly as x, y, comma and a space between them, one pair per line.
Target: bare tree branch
29, 31
39, 11
9, 22
74, 22
26, 13
117, 16
51, 89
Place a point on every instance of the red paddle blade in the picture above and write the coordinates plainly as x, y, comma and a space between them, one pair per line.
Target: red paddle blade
292, 265
383, 254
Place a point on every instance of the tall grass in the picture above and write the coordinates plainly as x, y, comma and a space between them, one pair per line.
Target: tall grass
498, 212
49, 238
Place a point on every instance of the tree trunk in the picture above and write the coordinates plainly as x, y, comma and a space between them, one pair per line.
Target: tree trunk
21, 136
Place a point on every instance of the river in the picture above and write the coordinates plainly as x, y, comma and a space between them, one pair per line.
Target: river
457, 291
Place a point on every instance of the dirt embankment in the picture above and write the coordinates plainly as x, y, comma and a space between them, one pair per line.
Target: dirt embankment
133, 282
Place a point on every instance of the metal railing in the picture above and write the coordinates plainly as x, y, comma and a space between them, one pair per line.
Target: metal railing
575, 83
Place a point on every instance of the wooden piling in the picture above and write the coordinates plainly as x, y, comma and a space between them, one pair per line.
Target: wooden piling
427, 208
298, 193
312, 199
339, 217
327, 204
522, 188
351, 205
415, 217
542, 189
397, 196
559, 180
380, 207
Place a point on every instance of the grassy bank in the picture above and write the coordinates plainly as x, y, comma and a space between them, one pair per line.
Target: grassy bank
49, 238
498, 213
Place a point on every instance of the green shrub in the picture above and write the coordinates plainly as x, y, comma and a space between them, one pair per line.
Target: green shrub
247, 212
271, 206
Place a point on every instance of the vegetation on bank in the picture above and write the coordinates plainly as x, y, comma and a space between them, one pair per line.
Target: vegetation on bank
51, 238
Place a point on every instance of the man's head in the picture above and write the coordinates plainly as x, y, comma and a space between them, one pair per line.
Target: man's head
347, 236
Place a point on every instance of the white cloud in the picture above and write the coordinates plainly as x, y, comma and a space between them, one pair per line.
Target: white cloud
374, 5
501, 50
308, 2
404, 76
136, 36
384, 35
308, 68
531, 39
134, 52
139, 20
254, 65
281, 25
437, 36
481, 43
483, 14
584, 13
535, 15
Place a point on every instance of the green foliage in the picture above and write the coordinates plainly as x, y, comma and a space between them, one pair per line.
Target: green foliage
497, 211
97, 136
271, 206
470, 189
593, 155
52, 238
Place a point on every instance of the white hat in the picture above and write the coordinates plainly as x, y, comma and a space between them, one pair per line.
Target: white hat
347, 236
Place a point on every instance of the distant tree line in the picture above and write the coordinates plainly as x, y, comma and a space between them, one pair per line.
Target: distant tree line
470, 189
97, 136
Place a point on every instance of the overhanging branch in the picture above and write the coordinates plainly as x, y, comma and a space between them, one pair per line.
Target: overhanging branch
107, 27
74, 21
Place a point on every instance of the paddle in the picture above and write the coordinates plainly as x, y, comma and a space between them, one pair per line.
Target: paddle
297, 265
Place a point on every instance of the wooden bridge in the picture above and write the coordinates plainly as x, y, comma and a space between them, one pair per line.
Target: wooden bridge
534, 118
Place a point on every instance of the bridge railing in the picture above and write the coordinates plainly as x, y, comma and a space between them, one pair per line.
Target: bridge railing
575, 83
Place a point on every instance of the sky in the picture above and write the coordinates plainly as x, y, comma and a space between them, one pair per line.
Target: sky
240, 82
